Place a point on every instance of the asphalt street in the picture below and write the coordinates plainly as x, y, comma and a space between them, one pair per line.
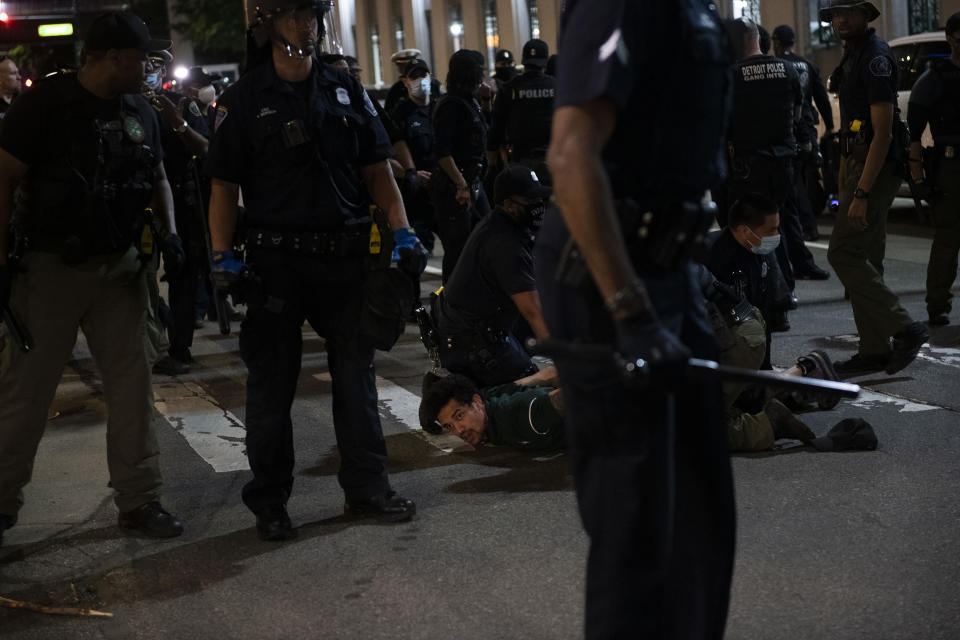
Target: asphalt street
830, 545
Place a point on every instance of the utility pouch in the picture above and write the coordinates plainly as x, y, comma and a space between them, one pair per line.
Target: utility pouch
666, 238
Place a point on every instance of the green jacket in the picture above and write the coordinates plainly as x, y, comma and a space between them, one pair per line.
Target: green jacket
523, 417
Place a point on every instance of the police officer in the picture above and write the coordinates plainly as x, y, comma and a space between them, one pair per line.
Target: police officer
413, 115
184, 132
935, 99
86, 155
493, 286
9, 83
806, 166
767, 105
523, 111
504, 68
459, 145
399, 89
305, 144
651, 466
867, 82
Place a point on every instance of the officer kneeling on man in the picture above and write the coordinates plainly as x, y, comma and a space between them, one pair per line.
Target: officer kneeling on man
493, 284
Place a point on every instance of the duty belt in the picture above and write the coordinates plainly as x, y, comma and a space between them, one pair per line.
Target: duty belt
342, 244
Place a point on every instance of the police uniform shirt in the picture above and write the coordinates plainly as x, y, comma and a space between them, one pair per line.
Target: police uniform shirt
766, 93
296, 149
935, 99
813, 92
460, 131
37, 128
496, 263
661, 149
176, 157
523, 113
867, 75
415, 122
748, 272
523, 417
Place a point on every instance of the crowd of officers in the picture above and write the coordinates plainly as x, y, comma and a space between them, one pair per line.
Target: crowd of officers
308, 201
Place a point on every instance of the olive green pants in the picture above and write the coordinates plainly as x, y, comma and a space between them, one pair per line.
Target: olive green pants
744, 345
857, 257
942, 268
104, 297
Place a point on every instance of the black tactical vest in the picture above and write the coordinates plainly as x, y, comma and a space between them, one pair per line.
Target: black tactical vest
90, 199
945, 120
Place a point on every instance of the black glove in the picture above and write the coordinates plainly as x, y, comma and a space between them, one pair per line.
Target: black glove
409, 183
665, 355
6, 282
171, 247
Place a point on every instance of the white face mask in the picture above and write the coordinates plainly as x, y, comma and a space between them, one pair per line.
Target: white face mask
207, 94
768, 244
420, 88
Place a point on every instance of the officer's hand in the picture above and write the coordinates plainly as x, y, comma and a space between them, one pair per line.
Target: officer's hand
168, 111
6, 283
225, 269
857, 214
665, 355
171, 246
409, 253
409, 183
424, 177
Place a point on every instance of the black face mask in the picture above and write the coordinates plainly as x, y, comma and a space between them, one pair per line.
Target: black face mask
532, 216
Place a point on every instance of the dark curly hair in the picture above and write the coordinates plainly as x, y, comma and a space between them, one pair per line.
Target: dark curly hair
437, 392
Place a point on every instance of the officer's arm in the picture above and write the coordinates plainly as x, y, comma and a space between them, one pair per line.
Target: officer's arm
881, 116
528, 303
546, 377
583, 192
162, 201
11, 172
223, 212
822, 100
385, 193
402, 155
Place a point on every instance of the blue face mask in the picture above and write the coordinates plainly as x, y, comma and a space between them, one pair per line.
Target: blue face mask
768, 244
153, 81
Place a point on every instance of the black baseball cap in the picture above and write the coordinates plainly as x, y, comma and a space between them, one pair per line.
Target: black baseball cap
953, 24
536, 52
121, 30
414, 65
785, 34
466, 60
503, 55
518, 180
851, 433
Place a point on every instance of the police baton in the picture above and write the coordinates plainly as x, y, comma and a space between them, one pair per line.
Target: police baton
219, 297
20, 335
639, 371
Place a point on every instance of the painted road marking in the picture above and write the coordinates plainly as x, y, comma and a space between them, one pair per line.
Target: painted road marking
212, 431
871, 399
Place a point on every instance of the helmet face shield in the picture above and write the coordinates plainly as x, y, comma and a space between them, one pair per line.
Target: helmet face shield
329, 33
260, 15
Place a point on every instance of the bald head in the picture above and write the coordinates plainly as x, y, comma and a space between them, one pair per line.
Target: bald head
9, 79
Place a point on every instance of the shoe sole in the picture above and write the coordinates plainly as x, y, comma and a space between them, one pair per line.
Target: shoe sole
822, 360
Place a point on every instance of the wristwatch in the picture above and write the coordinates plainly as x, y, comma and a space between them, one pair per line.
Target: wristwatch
180, 128
860, 194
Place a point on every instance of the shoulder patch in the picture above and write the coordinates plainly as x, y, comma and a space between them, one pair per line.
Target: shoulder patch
342, 96
369, 103
881, 67
221, 116
194, 109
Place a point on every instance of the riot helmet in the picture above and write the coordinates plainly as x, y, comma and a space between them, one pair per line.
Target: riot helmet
261, 13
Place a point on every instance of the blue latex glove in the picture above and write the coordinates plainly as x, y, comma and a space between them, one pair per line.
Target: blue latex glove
408, 252
225, 269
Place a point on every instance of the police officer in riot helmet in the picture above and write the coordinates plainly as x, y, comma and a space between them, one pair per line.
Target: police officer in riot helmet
84, 150
460, 142
869, 180
523, 112
478, 313
651, 467
935, 99
304, 142
504, 68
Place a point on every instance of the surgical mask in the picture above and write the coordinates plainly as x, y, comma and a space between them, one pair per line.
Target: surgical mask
421, 88
207, 94
153, 81
768, 244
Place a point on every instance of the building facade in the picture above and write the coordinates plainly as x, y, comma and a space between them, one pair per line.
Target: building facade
373, 30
